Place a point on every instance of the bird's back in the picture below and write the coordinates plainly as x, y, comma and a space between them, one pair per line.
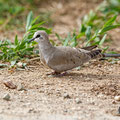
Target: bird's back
66, 58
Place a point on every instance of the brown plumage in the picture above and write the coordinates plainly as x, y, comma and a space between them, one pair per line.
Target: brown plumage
61, 58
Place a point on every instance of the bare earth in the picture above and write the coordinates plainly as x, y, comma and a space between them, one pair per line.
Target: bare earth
83, 94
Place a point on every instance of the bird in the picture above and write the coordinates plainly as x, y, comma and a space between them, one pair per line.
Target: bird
63, 58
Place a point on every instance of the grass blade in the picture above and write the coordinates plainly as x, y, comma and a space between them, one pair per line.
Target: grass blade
109, 28
88, 32
103, 40
110, 21
29, 20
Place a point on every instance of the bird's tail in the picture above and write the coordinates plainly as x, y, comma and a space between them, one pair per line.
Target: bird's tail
95, 54
110, 55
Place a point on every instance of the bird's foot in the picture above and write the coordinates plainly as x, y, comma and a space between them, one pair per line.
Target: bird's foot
53, 73
56, 74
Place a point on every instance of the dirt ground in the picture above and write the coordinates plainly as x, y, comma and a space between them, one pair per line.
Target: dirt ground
83, 94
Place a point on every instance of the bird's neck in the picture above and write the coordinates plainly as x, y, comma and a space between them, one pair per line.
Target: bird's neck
46, 48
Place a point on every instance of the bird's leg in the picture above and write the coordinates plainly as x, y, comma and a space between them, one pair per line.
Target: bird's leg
53, 73
64, 73
57, 74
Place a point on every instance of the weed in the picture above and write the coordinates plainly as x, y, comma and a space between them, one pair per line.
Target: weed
13, 12
21, 49
97, 38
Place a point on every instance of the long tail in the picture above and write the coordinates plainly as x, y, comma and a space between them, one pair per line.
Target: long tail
110, 55
95, 54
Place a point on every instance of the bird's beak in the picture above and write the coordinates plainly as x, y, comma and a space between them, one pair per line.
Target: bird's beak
31, 40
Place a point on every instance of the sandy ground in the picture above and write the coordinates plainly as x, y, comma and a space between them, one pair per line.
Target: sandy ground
83, 94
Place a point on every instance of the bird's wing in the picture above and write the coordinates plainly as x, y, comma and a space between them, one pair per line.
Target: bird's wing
65, 58
89, 48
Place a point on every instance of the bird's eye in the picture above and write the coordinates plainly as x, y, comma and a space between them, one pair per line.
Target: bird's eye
37, 36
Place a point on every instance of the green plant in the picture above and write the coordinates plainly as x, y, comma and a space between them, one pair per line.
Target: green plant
21, 49
13, 12
110, 7
97, 38
69, 40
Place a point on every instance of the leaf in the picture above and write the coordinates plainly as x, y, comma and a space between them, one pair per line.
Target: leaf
47, 30
36, 25
59, 38
82, 28
12, 63
16, 40
108, 28
80, 35
3, 65
88, 32
103, 40
29, 49
105, 49
29, 20
67, 40
33, 22
110, 21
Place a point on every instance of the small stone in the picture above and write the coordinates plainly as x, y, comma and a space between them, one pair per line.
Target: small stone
9, 84
100, 95
20, 87
77, 100
65, 110
6, 97
66, 95
30, 110
20, 64
118, 62
117, 98
119, 110
113, 102
88, 79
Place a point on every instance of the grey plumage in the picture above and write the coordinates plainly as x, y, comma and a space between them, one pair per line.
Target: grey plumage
61, 58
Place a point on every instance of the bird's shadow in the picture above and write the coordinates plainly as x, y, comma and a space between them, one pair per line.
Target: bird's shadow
87, 77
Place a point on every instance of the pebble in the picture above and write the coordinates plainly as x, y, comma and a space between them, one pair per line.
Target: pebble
9, 84
117, 98
113, 102
65, 110
118, 62
119, 110
20, 87
6, 97
66, 95
77, 100
88, 79
20, 64
100, 95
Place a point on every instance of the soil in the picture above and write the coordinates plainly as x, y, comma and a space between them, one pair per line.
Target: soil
82, 94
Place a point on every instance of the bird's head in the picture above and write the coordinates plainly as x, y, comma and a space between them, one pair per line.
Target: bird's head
39, 36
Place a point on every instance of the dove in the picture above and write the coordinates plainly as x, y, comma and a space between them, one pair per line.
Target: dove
63, 58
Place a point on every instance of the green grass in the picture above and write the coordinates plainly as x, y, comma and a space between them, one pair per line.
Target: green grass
95, 25
110, 6
13, 13
21, 49
97, 37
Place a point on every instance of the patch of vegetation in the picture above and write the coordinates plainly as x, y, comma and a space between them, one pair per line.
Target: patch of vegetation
21, 49
91, 38
94, 26
13, 12
110, 6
